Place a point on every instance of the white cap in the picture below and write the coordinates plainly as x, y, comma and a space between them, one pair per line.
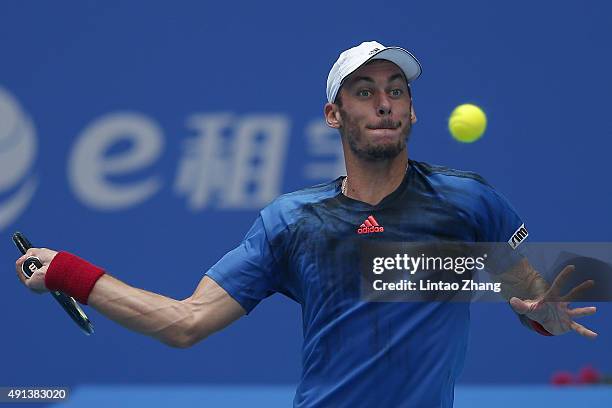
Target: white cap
355, 57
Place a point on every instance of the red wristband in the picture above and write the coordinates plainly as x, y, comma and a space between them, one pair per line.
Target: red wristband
72, 275
539, 328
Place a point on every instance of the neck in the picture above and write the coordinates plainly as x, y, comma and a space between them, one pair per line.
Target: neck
371, 181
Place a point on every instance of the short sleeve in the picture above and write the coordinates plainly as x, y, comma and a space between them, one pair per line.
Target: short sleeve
248, 272
498, 219
500, 227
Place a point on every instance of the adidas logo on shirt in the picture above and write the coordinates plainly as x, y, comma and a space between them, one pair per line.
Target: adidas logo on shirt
370, 226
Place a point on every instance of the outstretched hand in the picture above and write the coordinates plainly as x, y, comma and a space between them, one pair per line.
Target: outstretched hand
552, 310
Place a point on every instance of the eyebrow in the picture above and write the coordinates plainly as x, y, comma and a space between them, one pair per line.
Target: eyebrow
370, 80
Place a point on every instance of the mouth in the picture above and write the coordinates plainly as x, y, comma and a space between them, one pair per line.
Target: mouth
385, 126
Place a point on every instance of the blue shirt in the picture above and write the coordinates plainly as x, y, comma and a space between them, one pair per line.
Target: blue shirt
305, 245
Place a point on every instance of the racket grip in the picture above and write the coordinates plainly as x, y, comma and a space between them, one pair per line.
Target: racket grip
21, 242
32, 263
69, 305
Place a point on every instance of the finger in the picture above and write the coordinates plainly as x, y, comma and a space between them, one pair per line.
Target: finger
583, 331
34, 287
561, 278
36, 282
575, 292
29, 283
18, 264
18, 270
45, 255
582, 311
520, 306
20, 274
43, 270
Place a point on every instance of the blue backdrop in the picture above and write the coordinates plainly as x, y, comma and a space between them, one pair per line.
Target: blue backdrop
145, 136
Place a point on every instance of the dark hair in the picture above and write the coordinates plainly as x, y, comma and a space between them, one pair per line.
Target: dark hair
338, 100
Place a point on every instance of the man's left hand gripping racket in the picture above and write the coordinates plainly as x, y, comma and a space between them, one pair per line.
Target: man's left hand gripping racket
31, 264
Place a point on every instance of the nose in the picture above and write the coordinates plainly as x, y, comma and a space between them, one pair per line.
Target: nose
384, 105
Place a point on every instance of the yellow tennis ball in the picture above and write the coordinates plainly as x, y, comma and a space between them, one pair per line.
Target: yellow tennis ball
467, 123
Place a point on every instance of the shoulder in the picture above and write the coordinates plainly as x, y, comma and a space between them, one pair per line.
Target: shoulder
456, 184
287, 208
310, 195
449, 177
472, 196
465, 189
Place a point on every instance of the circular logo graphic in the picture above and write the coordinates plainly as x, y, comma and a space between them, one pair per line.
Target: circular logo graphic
17, 154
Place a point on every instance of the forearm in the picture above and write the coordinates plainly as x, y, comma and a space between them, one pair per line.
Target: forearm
176, 323
163, 318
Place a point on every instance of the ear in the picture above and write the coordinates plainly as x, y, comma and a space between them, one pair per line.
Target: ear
332, 115
413, 117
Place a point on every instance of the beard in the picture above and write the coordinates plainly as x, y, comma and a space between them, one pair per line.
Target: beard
368, 151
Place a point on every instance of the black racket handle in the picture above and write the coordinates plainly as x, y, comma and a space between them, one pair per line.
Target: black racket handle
22, 242
67, 303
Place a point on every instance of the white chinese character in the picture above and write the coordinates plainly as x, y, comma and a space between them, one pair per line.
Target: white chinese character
234, 162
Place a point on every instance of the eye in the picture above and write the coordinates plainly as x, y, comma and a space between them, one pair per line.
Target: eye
364, 93
396, 92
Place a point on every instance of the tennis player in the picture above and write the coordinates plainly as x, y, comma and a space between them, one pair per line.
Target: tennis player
305, 245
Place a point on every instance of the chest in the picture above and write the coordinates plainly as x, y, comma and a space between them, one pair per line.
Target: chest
325, 248
324, 227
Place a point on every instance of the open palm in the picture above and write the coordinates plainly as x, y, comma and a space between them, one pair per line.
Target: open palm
552, 310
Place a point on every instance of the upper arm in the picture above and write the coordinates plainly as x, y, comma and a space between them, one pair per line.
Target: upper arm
249, 273
212, 309
234, 285
497, 217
